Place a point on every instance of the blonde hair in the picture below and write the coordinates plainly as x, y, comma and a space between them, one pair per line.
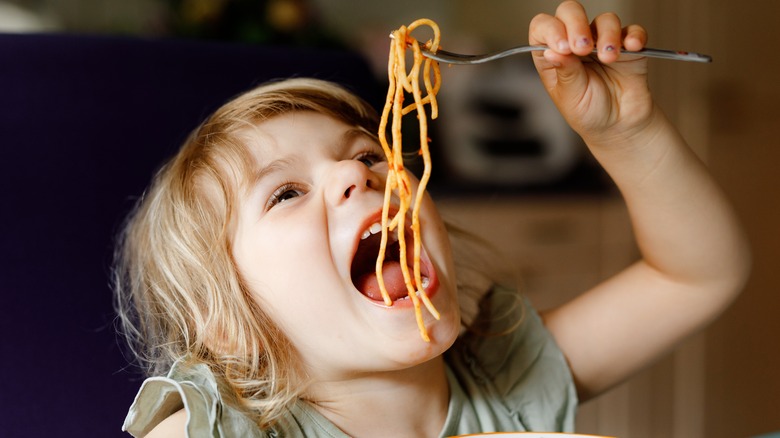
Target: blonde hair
178, 293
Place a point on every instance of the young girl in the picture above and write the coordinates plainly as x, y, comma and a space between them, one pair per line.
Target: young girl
238, 273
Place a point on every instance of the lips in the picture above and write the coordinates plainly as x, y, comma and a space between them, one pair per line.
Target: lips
363, 269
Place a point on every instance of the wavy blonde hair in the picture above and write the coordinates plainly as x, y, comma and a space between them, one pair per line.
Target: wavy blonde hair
178, 292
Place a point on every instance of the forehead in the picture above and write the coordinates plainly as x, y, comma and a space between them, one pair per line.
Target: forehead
297, 125
298, 137
304, 133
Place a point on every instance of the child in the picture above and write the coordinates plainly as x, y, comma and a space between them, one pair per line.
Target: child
236, 274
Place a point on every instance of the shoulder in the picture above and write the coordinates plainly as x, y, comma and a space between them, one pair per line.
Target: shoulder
516, 362
510, 335
187, 401
173, 426
510, 340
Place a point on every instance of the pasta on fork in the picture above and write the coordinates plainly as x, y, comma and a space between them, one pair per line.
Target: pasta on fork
398, 184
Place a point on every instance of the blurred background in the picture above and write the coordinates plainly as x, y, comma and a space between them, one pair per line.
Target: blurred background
514, 173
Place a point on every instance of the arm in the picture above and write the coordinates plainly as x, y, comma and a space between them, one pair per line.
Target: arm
173, 426
695, 257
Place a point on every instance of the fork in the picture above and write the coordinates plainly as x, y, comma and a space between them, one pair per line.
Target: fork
457, 58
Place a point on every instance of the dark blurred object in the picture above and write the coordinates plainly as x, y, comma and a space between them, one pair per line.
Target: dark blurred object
287, 22
501, 133
84, 123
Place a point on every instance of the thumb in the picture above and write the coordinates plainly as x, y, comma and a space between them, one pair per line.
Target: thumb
564, 77
569, 75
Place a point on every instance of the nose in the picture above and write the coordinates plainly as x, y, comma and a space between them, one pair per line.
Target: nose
350, 178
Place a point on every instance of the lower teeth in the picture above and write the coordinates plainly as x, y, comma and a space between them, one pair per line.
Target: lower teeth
425, 283
418, 293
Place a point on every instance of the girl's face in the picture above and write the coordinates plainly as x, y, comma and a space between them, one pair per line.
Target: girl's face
317, 188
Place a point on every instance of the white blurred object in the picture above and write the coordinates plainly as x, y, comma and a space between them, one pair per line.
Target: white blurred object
14, 19
500, 127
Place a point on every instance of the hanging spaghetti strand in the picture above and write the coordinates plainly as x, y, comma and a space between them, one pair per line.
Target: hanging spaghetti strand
398, 180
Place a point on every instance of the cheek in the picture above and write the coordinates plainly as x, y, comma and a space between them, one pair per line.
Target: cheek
284, 262
437, 246
270, 257
436, 238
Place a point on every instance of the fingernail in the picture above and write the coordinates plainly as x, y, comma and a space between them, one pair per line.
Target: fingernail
609, 48
582, 42
563, 46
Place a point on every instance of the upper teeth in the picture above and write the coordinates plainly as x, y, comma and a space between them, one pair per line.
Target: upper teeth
373, 229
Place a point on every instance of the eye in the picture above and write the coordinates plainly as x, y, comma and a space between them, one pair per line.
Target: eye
369, 158
284, 193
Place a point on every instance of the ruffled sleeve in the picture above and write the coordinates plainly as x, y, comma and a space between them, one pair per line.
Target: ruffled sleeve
193, 389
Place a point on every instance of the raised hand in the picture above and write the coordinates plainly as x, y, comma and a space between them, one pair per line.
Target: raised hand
604, 97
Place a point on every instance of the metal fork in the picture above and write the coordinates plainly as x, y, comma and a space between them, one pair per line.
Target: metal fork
457, 58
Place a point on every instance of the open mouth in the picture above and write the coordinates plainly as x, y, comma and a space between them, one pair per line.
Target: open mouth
363, 271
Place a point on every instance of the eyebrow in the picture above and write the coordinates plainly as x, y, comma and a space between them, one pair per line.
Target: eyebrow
268, 169
350, 135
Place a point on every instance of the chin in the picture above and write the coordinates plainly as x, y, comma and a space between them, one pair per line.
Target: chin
442, 333
442, 340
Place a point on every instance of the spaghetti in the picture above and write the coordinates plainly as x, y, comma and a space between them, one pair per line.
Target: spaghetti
398, 182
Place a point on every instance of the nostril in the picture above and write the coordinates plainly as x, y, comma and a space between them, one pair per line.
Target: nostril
348, 192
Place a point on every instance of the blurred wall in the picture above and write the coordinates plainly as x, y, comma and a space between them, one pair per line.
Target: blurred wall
14, 18
464, 23
96, 15
743, 351
729, 112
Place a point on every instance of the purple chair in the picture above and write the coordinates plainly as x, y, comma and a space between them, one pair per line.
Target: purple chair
84, 123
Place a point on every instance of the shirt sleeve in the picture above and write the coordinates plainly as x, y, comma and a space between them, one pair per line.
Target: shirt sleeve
160, 397
195, 390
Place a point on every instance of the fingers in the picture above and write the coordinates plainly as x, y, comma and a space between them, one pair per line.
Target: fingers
608, 33
548, 31
570, 33
635, 37
575, 21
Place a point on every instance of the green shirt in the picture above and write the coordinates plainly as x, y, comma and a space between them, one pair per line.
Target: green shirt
518, 381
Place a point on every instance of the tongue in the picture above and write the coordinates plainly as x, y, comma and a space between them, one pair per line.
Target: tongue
394, 282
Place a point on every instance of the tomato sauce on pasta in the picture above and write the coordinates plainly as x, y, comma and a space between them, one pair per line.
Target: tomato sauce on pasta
426, 71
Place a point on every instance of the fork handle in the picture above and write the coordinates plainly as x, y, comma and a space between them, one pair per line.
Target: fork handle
678, 55
455, 58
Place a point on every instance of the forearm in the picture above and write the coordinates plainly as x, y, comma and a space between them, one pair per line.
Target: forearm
695, 257
694, 262
685, 227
